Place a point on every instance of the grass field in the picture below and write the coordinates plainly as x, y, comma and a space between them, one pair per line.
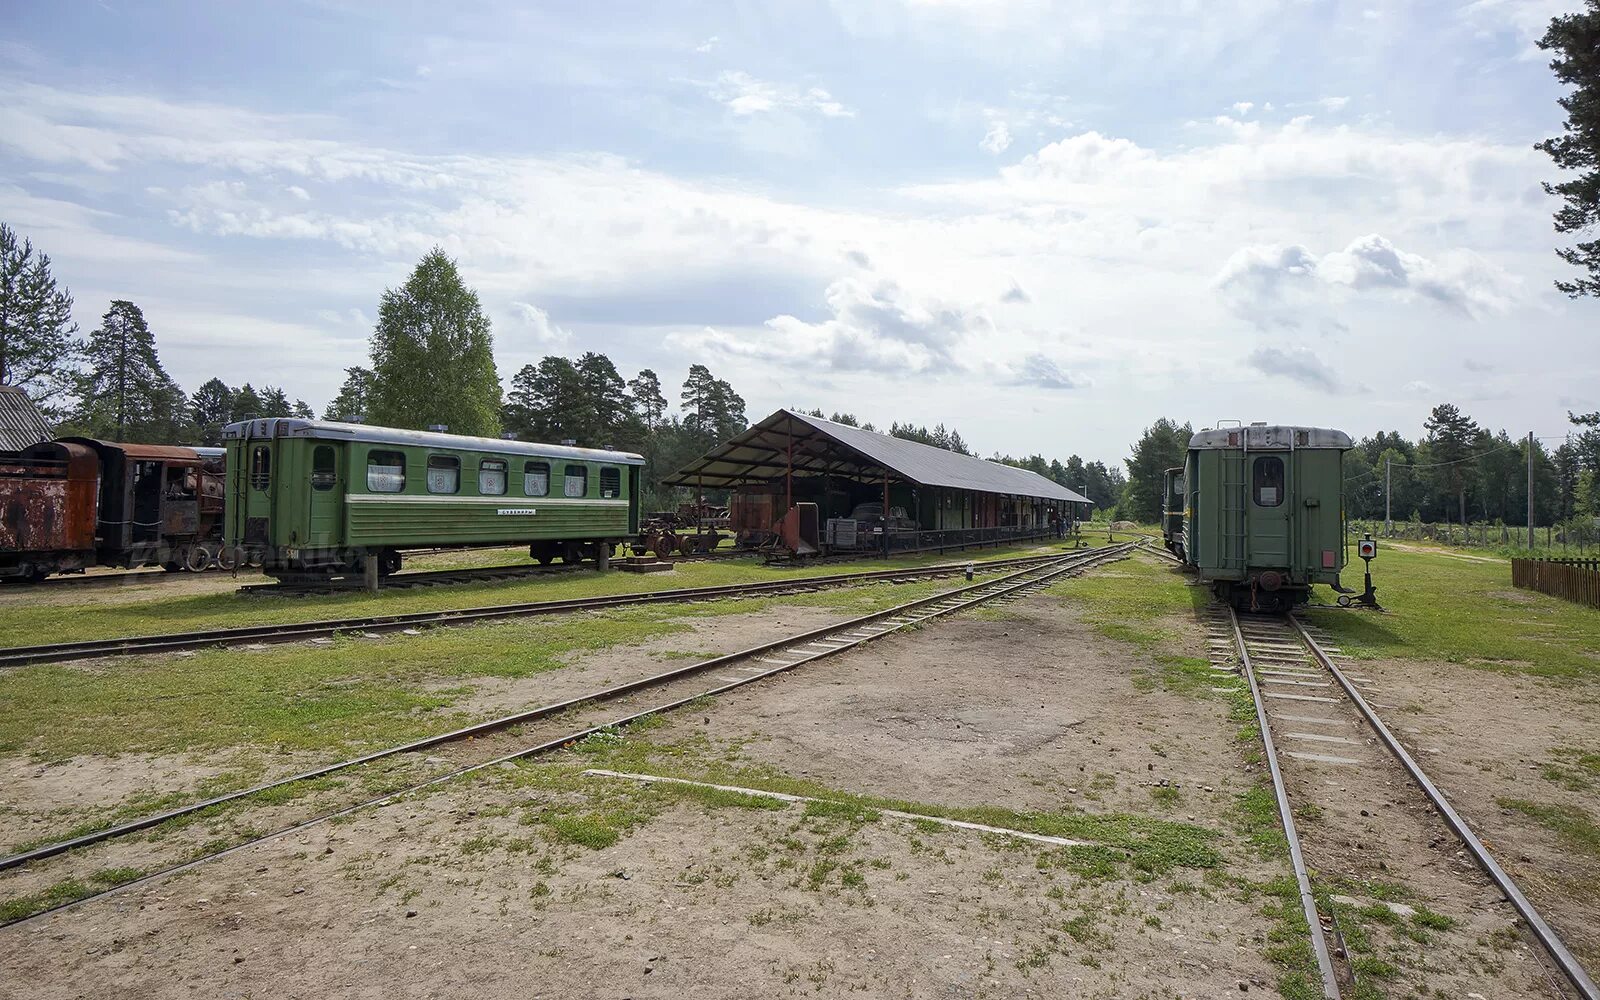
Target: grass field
352, 694
1444, 606
64, 616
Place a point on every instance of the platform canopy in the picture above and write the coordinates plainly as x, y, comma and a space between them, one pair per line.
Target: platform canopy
823, 447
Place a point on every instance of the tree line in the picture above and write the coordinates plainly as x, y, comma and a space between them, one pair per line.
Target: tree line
431, 365
1457, 472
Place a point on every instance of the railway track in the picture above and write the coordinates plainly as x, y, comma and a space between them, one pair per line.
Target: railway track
560, 724
327, 628
1327, 750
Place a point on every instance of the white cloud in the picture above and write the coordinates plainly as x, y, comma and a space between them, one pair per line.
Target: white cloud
1040, 371
1016, 294
1333, 103
1242, 108
1257, 280
1295, 363
708, 44
1115, 240
876, 326
997, 140
744, 95
1418, 386
536, 324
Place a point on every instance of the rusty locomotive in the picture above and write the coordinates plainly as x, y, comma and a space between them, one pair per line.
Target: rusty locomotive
73, 503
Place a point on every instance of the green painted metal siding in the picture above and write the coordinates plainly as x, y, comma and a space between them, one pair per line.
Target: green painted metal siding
415, 516
1227, 532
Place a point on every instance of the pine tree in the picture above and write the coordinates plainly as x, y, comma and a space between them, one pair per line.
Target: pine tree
713, 412
39, 351
1575, 38
247, 404
1451, 434
546, 401
125, 394
275, 402
1164, 445
433, 354
210, 408
351, 402
648, 402
604, 406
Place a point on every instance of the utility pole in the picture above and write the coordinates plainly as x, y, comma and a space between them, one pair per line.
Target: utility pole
1530, 491
1388, 493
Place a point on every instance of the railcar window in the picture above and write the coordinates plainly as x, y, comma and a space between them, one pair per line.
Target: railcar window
323, 475
444, 474
386, 471
610, 483
575, 481
491, 478
536, 479
1268, 481
261, 467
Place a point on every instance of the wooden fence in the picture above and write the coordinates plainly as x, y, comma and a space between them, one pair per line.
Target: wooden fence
1576, 580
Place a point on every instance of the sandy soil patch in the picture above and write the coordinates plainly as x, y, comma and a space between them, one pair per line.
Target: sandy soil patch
727, 902
1486, 737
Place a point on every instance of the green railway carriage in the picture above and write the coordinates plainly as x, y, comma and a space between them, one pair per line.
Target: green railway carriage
1263, 517
314, 496
1172, 501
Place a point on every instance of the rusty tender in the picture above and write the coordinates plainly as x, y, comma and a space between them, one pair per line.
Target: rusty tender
73, 503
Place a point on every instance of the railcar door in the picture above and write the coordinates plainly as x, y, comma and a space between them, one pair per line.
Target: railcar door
327, 495
1268, 533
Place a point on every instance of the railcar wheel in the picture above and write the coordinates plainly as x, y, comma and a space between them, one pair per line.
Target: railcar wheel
571, 552
197, 558
662, 546
228, 558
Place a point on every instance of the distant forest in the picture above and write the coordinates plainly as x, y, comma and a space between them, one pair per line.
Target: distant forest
432, 364
1457, 472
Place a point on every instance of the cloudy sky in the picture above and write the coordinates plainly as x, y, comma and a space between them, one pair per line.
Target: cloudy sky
1043, 224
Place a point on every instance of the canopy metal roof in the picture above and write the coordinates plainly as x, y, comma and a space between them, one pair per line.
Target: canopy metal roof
822, 446
21, 423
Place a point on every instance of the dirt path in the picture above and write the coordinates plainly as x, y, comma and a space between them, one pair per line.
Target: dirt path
539, 881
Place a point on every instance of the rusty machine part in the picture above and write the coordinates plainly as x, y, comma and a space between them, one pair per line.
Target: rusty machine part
692, 529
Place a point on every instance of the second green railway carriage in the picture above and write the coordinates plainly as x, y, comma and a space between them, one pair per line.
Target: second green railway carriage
315, 496
1263, 512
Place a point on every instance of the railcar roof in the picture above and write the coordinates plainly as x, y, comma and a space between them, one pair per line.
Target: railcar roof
1269, 437
285, 427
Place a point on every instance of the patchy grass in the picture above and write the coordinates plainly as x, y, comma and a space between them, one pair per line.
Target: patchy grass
1143, 602
1146, 845
355, 693
1467, 612
63, 892
1571, 823
68, 616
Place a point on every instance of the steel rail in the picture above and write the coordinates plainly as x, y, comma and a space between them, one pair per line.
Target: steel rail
16, 656
1308, 902
944, 603
1564, 959
482, 728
